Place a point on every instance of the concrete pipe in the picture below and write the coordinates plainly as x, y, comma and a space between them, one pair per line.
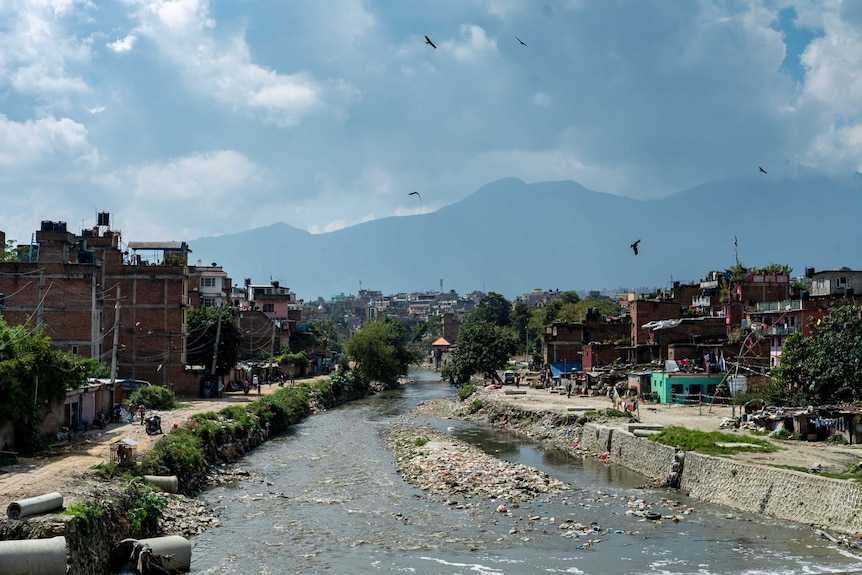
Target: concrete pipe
167, 483
645, 432
33, 557
34, 505
178, 548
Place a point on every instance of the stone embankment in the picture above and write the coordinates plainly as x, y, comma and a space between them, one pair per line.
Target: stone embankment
827, 504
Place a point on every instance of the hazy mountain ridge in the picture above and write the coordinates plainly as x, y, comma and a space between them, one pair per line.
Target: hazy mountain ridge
511, 237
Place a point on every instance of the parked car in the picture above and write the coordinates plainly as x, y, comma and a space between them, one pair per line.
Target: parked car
509, 377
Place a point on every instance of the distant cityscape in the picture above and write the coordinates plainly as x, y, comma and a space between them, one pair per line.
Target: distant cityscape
99, 297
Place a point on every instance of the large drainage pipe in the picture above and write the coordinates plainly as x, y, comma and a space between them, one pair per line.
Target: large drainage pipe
33, 557
175, 550
35, 505
167, 483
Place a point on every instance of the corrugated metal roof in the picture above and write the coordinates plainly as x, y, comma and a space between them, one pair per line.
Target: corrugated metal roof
157, 245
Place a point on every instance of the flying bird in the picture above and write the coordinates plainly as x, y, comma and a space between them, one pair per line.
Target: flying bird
521, 41
429, 42
761, 169
634, 247
415, 194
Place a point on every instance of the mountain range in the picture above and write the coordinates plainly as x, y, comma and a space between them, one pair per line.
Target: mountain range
511, 237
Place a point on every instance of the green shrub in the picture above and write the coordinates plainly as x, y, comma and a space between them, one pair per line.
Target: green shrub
836, 439
145, 513
475, 405
178, 453
420, 441
155, 397
466, 391
611, 412
88, 513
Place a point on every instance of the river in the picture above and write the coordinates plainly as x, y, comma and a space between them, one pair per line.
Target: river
327, 498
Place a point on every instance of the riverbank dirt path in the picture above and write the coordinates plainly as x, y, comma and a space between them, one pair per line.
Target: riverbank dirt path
67, 467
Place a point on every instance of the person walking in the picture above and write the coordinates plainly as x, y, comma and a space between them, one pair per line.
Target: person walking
142, 410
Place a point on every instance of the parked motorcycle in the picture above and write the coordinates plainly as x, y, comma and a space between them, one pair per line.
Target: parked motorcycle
153, 425
100, 420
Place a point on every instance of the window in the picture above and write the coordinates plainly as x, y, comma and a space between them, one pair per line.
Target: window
74, 350
821, 283
208, 301
268, 307
208, 282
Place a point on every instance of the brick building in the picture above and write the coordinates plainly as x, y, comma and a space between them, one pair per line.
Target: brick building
120, 304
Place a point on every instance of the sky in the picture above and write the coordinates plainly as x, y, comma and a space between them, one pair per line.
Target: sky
189, 118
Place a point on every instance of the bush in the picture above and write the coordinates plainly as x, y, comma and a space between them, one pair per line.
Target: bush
178, 453
148, 508
707, 441
466, 391
155, 397
836, 439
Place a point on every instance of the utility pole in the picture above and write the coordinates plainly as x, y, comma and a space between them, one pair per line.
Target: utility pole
40, 310
116, 329
271, 351
215, 347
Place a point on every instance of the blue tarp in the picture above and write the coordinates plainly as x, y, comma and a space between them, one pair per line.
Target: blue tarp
562, 367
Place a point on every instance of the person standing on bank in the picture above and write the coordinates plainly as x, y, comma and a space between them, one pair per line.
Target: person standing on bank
142, 410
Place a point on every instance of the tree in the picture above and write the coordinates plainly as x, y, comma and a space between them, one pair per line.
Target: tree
519, 319
32, 377
826, 367
429, 330
379, 351
203, 327
482, 347
492, 308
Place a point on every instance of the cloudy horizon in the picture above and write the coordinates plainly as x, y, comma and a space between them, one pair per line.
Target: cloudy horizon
188, 118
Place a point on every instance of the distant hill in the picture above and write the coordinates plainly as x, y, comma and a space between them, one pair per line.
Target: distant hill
511, 237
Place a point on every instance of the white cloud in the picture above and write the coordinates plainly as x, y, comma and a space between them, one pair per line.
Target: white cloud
47, 140
38, 52
207, 178
474, 46
96, 109
123, 45
541, 99
184, 31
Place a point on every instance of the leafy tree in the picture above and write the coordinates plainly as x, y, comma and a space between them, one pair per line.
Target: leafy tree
482, 347
792, 376
203, 326
8, 252
33, 376
379, 350
826, 367
492, 308
778, 269
327, 334
519, 319
429, 330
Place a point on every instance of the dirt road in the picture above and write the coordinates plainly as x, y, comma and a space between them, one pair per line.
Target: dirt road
68, 466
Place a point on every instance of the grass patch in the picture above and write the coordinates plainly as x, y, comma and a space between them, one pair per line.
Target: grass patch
419, 442
475, 405
853, 473
591, 413
611, 412
707, 441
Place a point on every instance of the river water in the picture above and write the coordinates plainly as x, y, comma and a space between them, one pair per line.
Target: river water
327, 498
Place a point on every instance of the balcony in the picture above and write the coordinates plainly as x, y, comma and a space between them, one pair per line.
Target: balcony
779, 306
782, 330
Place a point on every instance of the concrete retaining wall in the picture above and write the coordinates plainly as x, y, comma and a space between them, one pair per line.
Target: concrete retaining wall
646, 457
780, 493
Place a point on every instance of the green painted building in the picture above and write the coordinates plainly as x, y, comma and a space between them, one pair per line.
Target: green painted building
684, 387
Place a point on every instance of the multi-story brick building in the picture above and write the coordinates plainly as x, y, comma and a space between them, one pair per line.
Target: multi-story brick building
123, 304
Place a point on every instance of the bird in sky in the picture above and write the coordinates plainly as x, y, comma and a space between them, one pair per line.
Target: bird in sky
429, 42
634, 247
521, 41
761, 169
415, 194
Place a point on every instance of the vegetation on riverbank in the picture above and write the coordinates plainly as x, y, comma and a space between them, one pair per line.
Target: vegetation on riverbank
710, 442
